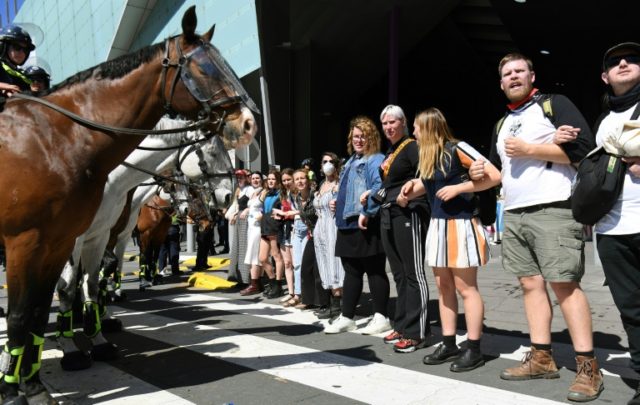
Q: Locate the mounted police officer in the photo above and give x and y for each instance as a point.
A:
(15, 47)
(40, 79)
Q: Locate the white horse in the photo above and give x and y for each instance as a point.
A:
(89, 247)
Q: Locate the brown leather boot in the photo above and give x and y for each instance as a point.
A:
(253, 288)
(536, 364)
(589, 383)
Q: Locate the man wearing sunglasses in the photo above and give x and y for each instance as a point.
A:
(618, 232)
(15, 47)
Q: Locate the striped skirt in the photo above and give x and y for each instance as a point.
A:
(457, 243)
(238, 270)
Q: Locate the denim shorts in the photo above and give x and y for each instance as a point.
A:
(543, 241)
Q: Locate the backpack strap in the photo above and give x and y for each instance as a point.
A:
(636, 112)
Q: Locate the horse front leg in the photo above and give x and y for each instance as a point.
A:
(25, 260)
(33, 388)
(73, 358)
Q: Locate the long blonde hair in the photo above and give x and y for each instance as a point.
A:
(433, 134)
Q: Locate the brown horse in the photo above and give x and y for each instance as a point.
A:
(53, 169)
(153, 225)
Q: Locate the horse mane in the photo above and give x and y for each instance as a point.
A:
(112, 69)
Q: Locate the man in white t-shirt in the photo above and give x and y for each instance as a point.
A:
(618, 233)
(542, 243)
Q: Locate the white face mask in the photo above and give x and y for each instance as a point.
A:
(328, 168)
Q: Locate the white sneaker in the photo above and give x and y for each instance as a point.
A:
(166, 272)
(341, 324)
(378, 324)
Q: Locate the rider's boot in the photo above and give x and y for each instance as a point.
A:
(102, 350)
(73, 358)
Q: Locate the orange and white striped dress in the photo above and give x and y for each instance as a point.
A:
(455, 238)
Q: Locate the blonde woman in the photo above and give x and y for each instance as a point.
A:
(456, 241)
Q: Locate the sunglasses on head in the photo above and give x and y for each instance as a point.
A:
(614, 61)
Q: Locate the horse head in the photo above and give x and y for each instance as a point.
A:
(211, 168)
(198, 83)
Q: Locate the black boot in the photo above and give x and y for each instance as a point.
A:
(267, 284)
(335, 309)
(276, 289)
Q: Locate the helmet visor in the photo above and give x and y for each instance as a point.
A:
(207, 74)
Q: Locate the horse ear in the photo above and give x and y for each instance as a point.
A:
(189, 23)
(207, 36)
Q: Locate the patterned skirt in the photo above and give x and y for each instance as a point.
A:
(457, 243)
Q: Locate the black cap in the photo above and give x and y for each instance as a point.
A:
(632, 46)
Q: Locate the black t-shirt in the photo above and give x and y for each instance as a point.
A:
(403, 168)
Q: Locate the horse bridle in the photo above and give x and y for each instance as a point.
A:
(209, 105)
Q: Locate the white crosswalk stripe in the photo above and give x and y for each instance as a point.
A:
(341, 375)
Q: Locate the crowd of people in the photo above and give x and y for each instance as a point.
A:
(308, 241)
(416, 206)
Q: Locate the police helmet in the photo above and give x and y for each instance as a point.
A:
(14, 33)
(307, 162)
(37, 73)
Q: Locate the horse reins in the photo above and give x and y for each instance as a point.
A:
(206, 112)
(108, 128)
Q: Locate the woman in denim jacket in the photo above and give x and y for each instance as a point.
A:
(358, 243)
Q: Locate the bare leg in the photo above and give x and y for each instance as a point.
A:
(577, 314)
(466, 282)
(537, 306)
(447, 300)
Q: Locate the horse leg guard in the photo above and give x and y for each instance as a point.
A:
(72, 358)
(144, 277)
(33, 388)
(10, 362)
(92, 327)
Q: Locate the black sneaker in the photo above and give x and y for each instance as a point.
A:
(442, 354)
(467, 361)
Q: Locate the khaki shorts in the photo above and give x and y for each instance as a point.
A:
(544, 241)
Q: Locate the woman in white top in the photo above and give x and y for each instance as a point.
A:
(253, 215)
(325, 234)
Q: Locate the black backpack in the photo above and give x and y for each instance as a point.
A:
(598, 183)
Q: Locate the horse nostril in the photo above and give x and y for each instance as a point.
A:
(248, 126)
(227, 200)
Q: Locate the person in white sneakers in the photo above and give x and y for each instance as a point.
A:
(358, 243)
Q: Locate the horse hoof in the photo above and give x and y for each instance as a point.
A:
(104, 352)
(36, 393)
(10, 396)
(111, 325)
(15, 400)
(76, 360)
(43, 398)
